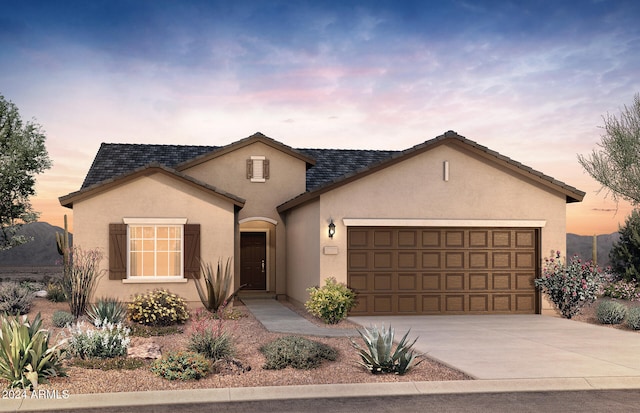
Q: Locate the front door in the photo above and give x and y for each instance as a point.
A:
(253, 260)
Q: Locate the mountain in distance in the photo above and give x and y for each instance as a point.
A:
(582, 246)
(41, 251)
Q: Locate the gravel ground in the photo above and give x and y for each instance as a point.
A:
(248, 335)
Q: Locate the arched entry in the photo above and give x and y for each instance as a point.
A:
(257, 253)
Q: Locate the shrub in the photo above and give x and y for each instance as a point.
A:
(109, 340)
(625, 253)
(32, 286)
(209, 339)
(15, 299)
(107, 310)
(570, 287)
(25, 356)
(633, 318)
(624, 290)
(158, 308)
(55, 292)
(181, 365)
(81, 279)
(332, 302)
(216, 291)
(62, 318)
(379, 357)
(297, 352)
(611, 312)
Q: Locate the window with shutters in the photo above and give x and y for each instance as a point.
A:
(258, 169)
(155, 248)
(143, 249)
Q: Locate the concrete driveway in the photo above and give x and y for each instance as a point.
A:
(520, 346)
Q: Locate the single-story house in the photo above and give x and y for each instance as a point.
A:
(445, 227)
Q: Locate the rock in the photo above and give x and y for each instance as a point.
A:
(41, 294)
(145, 350)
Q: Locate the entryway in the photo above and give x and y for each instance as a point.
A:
(253, 260)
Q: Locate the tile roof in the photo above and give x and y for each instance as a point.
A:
(114, 159)
(326, 168)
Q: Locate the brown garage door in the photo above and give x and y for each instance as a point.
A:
(443, 270)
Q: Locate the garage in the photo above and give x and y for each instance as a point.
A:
(439, 271)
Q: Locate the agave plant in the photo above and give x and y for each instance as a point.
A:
(379, 357)
(25, 356)
(107, 310)
(216, 291)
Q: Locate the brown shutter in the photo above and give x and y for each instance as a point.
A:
(249, 169)
(117, 251)
(192, 251)
(265, 168)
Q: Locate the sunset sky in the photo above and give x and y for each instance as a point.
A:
(528, 79)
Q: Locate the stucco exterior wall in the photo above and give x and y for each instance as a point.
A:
(303, 251)
(415, 188)
(154, 196)
(287, 179)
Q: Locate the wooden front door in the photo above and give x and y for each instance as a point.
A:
(253, 260)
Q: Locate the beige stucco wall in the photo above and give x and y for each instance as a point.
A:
(415, 188)
(303, 250)
(287, 179)
(154, 196)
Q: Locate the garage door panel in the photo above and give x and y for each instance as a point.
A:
(478, 281)
(431, 304)
(454, 260)
(431, 282)
(501, 281)
(478, 259)
(479, 303)
(382, 282)
(443, 270)
(454, 303)
(408, 282)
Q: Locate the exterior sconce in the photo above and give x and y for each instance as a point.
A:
(332, 229)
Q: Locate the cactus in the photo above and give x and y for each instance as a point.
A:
(64, 249)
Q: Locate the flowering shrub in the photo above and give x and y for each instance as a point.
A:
(158, 308)
(570, 286)
(624, 290)
(181, 365)
(109, 340)
(332, 302)
(209, 338)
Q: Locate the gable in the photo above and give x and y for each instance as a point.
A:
(570, 193)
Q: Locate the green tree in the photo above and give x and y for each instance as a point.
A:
(616, 164)
(625, 254)
(22, 156)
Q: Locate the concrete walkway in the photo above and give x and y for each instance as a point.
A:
(277, 318)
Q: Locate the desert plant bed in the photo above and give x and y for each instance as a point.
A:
(247, 370)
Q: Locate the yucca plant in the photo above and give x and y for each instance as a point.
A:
(107, 310)
(379, 357)
(216, 291)
(25, 356)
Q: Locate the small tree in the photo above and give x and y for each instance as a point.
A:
(616, 166)
(22, 156)
(625, 254)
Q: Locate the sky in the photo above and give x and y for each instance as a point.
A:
(531, 80)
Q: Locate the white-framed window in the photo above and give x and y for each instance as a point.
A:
(258, 169)
(155, 248)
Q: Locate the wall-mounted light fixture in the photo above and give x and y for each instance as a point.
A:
(445, 171)
(332, 229)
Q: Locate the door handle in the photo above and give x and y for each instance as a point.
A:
(262, 265)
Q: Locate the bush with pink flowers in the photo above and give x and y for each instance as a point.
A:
(572, 285)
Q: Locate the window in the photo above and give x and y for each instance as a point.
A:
(258, 169)
(154, 249)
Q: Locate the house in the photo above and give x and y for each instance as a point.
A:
(445, 227)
